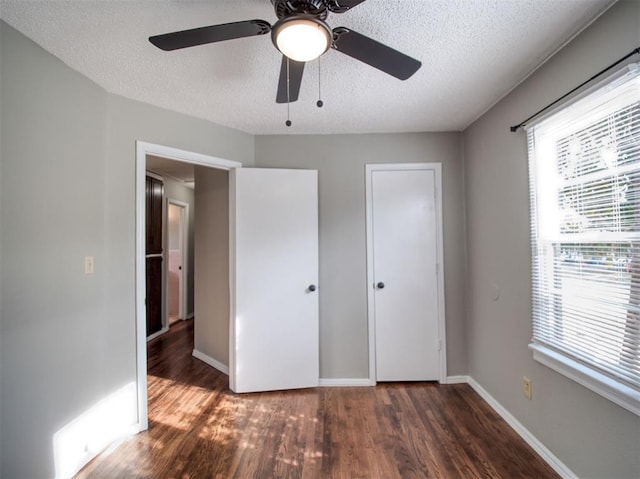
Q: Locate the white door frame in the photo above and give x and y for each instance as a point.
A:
(184, 256)
(437, 169)
(142, 150)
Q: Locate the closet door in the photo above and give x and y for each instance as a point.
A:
(405, 273)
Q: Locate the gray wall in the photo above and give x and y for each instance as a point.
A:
(211, 335)
(52, 216)
(1, 203)
(68, 190)
(340, 161)
(53, 316)
(592, 436)
(177, 191)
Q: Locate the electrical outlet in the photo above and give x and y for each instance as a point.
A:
(526, 387)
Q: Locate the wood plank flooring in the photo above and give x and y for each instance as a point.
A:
(199, 429)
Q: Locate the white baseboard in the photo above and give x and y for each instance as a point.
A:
(223, 368)
(190, 316)
(344, 382)
(524, 433)
(366, 382)
(457, 380)
(158, 333)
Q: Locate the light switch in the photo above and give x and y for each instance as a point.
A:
(88, 265)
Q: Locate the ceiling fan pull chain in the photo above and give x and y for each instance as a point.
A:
(320, 103)
(288, 122)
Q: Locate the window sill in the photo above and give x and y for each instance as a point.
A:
(622, 395)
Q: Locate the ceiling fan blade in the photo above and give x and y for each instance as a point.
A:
(374, 53)
(341, 6)
(295, 79)
(210, 34)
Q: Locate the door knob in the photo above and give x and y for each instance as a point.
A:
(380, 285)
(312, 287)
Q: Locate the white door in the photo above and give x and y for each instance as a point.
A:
(274, 272)
(176, 226)
(404, 287)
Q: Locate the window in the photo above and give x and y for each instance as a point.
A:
(584, 164)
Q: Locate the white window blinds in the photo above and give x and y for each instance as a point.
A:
(584, 164)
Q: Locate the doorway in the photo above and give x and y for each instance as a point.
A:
(177, 264)
(246, 211)
(144, 149)
(404, 272)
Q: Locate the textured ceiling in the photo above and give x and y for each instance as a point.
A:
(473, 52)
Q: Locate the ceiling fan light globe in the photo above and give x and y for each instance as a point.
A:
(302, 39)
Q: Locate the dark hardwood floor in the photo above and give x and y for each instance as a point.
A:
(198, 428)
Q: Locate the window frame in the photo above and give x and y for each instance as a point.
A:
(553, 357)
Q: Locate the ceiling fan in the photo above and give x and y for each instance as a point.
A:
(301, 35)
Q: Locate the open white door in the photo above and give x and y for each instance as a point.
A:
(274, 273)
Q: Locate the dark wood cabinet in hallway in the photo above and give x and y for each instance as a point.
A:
(154, 193)
(198, 428)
